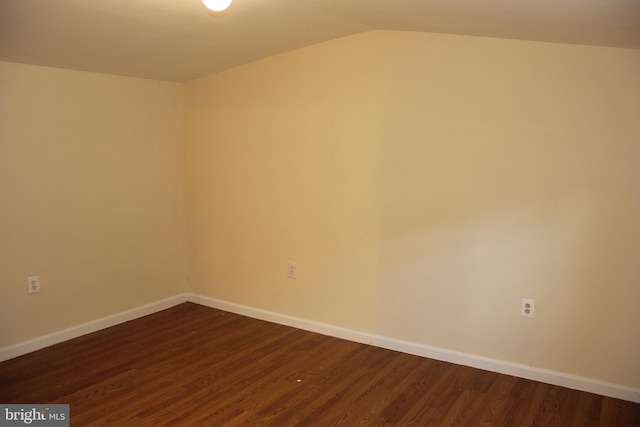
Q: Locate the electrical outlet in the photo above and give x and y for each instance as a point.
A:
(528, 307)
(292, 270)
(33, 284)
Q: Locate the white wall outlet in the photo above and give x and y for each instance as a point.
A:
(33, 284)
(292, 270)
(528, 307)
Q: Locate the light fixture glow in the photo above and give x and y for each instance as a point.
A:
(217, 5)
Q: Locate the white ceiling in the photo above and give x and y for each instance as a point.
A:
(179, 40)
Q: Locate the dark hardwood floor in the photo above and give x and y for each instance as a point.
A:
(196, 366)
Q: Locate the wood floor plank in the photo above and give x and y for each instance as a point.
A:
(195, 366)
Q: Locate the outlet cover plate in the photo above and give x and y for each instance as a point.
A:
(292, 270)
(33, 284)
(528, 307)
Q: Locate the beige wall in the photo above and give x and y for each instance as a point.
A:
(91, 196)
(425, 184)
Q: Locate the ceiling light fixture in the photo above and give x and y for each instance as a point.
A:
(217, 5)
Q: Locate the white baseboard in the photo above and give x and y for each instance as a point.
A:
(494, 365)
(523, 371)
(25, 347)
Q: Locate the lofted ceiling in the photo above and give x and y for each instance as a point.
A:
(180, 40)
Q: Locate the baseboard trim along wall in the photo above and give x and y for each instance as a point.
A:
(494, 365)
(25, 347)
(488, 364)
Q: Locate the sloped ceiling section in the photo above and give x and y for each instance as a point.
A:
(179, 40)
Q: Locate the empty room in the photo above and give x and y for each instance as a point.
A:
(320, 213)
